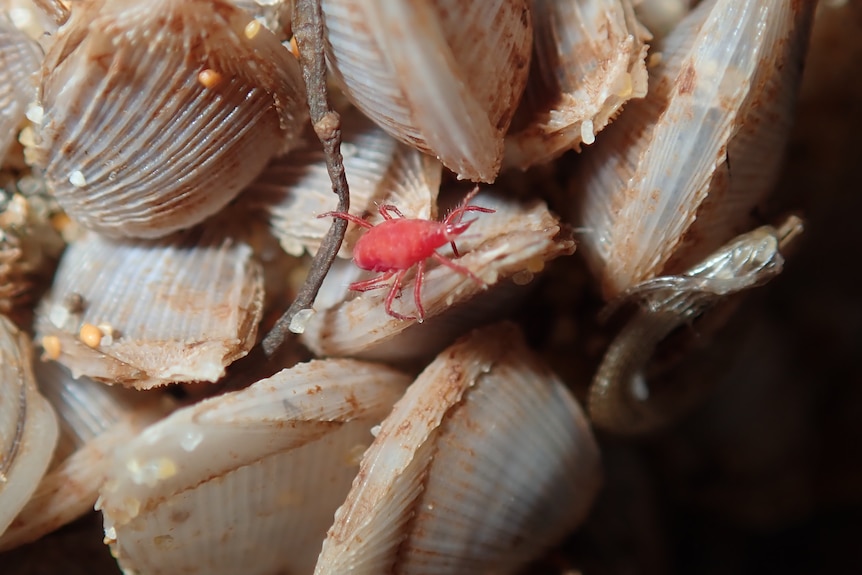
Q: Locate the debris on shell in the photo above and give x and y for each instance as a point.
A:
(156, 115)
(485, 423)
(681, 172)
(444, 76)
(178, 309)
(588, 61)
(247, 481)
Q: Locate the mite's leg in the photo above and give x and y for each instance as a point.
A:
(417, 290)
(373, 283)
(396, 289)
(349, 217)
(386, 208)
(458, 213)
(460, 269)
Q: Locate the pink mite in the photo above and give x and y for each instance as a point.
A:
(396, 244)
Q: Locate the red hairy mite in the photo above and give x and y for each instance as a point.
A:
(398, 243)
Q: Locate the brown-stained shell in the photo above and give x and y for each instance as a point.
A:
(146, 313)
(155, 115)
(444, 76)
(485, 462)
(246, 481)
(683, 170)
(588, 61)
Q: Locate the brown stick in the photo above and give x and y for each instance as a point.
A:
(308, 29)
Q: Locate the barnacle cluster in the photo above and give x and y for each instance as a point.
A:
(181, 152)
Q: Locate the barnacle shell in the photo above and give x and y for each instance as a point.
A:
(28, 425)
(441, 75)
(588, 60)
(29, 18)
(94, 420)
(515, 242)
(156, 114)
(274, 14)
(177, 309)
(246, 482)
(485, 461)
(293, 190)
(681, 171)
(19, 62)
(29, 248)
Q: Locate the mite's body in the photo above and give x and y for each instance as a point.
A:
(398, 243)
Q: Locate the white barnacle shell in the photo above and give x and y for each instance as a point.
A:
(441, 75)
(485, 462)
(157, 114)
(177, 309)
(94, 420)
(19, 61)
(588, 61)
(681, 171)
(28, 425)
(246, 482)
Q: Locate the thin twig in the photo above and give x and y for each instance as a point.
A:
(308, 29)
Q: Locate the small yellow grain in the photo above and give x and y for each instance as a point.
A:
(51, 345)
(251, 29)
(209, 78)
(60, 221)
(90, 335)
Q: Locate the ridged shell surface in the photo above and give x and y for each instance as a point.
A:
(157, 114)
(19, 61)
(441, 75)
(683, 169)
(94, 420)
(588, 61)
(246, 482)
(177, 309)
(485, 462)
